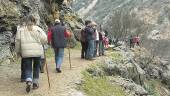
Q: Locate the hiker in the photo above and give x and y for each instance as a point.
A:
(45, 47)
(59, 36)
(29, 40)
(131, 42)
(96, 42)
(101, 42)
(106, 42)
(90, 40)
(84, 43)
(137, 40)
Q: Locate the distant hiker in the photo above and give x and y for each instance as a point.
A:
(84, 43)
(131, 40)
(49, 33)
(106, 42)
(101, 42)
(90, 39)
(137, 40)
(96, 42)
(29, 40)
(59, 36)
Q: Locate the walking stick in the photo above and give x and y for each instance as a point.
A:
(46, 65)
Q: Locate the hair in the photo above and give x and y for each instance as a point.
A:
(30, 21)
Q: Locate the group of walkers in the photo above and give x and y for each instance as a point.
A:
(31, 41)
(29, 44)
(93, 42)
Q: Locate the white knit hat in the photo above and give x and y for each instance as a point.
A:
(57, 20)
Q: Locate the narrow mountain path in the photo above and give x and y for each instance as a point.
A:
(62, 84)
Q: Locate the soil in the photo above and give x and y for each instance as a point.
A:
(62, 84)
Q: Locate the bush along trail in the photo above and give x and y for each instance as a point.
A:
(127, 72)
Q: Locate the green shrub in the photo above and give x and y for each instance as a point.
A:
(100, 86)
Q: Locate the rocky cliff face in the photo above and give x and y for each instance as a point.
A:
(11, 12)
(153, 13)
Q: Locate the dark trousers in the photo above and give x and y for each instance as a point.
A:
(28, 68)
(90, 49)
(84, 46)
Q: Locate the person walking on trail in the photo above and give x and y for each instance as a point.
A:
(29, 40)
(131, 42)
(59, 36)
(96, 42)
(101, 42)
(137, 40)
(84, 43)
(90, 39)
(45, 47)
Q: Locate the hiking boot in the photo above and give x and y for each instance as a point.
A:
(58, 70)
(28, 87)
(35, 86)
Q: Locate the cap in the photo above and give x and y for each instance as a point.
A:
(57, 20)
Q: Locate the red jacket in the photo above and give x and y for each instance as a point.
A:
(49, 35)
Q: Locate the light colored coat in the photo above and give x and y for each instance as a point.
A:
(29, 43)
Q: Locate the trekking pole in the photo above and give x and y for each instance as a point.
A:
(48, 77)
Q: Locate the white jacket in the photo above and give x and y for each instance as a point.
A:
(29, 43)
(97, 35)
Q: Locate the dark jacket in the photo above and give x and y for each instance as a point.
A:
(89, 33)
(83, 35)
(58, 36)
(100, 36)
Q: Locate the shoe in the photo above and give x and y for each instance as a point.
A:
(58, 70)
(35, 86)
(42, 70)
(28, 87)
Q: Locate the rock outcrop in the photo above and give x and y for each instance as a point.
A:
(44, 11)
(133, 69)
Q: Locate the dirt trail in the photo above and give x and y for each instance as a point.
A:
(62, 84)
